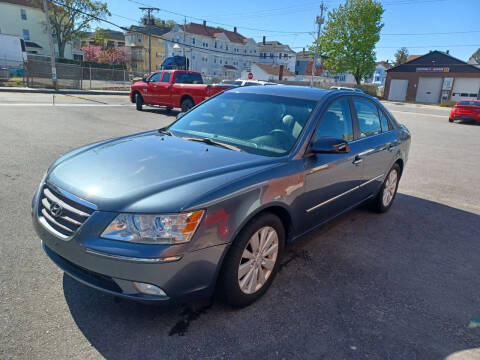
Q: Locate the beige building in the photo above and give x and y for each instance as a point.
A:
(136, 47)
(26, 19)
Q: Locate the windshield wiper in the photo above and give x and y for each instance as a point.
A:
(209, 141)
(165, 131)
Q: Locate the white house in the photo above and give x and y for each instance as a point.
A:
(212, 51)
(268, 73)
(380, 74)
(26, 19)
(276, 53)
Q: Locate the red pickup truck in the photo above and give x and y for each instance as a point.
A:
(174, 89)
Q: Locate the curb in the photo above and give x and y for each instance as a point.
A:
(63, 91)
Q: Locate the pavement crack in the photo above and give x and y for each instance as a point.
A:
(189, 315)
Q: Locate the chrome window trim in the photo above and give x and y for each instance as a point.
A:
(344, 193)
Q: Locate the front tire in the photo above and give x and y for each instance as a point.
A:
(384, 200)
(139, 101)
(450, 119)
(253, 261)
(187, 104)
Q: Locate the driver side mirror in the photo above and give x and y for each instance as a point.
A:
(328, 145)
(144, 78)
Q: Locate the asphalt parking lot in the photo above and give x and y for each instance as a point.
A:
(403, 285)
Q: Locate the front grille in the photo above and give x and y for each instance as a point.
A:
(61, 213)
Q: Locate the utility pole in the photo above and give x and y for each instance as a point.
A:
(52, 46)
(185, 41)
(319, 21)
(149, 24)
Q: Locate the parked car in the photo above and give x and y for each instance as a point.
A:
(465, 110)
(213, 199)
(173, 89)
(243, 82)
(345, 88)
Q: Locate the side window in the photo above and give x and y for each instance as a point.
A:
(367, 115)
(384, 121)
(336, 122)
(155, 77)
(166, 77)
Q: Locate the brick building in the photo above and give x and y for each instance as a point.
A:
(433, 78)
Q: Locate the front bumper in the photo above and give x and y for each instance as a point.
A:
(114, 266)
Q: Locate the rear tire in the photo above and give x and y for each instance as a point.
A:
(249, 269)
(384, 200)
(187, 104)
(139, 101)
(450, 119)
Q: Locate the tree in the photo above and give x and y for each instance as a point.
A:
(157, 22)
(71, 18)
(91, 52)
(349, 38)
(475, 58)
(114, 56)
(401, 56)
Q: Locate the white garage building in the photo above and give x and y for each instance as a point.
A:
(433, 78)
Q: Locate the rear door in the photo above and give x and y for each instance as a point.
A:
(377, 142)
(331, 180)
(163, 90)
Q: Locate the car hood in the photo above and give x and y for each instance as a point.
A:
(116, 174)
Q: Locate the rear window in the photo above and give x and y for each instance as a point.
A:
(186, 78)
(466, 102)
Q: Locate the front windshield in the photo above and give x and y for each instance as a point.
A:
(260, 124)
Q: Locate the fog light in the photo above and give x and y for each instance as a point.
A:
(149, 289)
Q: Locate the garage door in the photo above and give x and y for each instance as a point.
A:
(465, 89)
(398, 90)
(429, 90)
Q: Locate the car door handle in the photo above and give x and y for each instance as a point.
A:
(357, 160)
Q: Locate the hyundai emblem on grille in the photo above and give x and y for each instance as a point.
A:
(56, 209)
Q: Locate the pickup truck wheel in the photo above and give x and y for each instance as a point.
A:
(252, 261)
(187, 104)
(139, 101)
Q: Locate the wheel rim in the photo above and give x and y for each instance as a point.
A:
(258, 260)
(390, 187)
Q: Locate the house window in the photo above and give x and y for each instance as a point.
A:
(23, 14)
(193, 40)
(226, 47)
(139, 39)
(215, 44)
(26, 34)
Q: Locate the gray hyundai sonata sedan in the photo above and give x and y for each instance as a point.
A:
(211, 201)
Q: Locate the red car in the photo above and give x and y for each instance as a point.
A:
(466, 110)
(174, 89)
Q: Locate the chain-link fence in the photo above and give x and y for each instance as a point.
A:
(75, 76)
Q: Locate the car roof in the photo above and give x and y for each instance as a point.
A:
(300, 92)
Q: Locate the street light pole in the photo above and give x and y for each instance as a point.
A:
(52, 47)
(149, 26)
(319, 21)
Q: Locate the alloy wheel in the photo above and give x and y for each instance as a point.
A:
(390, 187)
(258, 260)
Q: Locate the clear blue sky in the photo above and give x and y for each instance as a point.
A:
(280, 16)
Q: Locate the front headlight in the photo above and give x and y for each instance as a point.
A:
(154, 229)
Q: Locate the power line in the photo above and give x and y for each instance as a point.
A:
(206, 50)
(220, 23)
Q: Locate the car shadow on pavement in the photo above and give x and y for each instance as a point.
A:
(402, 285)
(162, 111)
